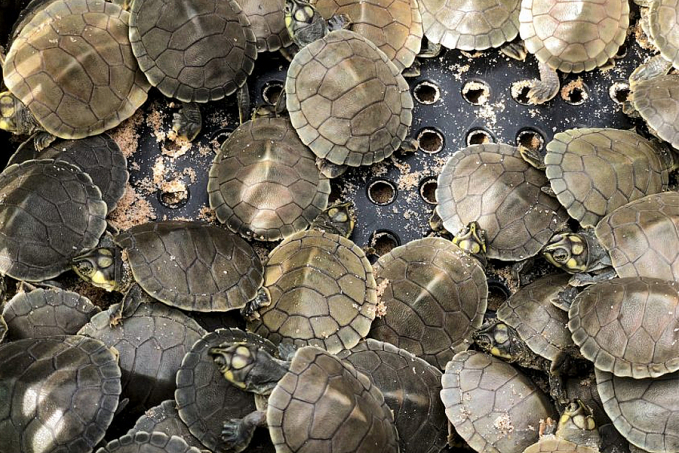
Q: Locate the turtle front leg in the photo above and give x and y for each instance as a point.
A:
(515, 50)
(188, 122)
(250, 310)
(584, 279)
(546, 88)
(654, 67)
(238, 432)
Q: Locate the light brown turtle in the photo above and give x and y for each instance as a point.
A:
(575, 432)
(267, 20)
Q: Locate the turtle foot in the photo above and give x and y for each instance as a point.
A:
(541, 92)
(515, 50)
(251, 309)
(339, 22)
(330, 170)
(188, 122)
(654, 67)
(42, 140)
(237, 433)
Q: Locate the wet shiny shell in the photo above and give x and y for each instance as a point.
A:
(663, 16)
(644, 411)
(323, 292)
(574, 37)
(192, 265)
(164, 418)
(152, 344)
(45, 313)
(144, 442)
(552, 444)
(492, 405)
(205, 399)
(470, 24)
(193, 51)
(642, 237)
(493, 185)
(435, 299)
(59, 394)
(74, 97)
(267, 20)
(50, 212)
(657, 101)
(538, 322)
(594, 171)
(410, 387)
(347, 101)
(628, 326)
(323, 402)
(394, 26)
(264, 183)
(99, 156)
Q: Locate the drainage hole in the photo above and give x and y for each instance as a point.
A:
(426, 92)
(498, 293)
(479, 137)
(622, 52)
(272, 91)
(575, 92)
(519, 91)
(173, 194)
(476, 92)
(431, 140)
(383, 242)
(220, 135)
(381, 192)
(428, 189)
(619, 92)
(530, 138)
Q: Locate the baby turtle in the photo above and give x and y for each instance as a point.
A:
(264, 183)
(316, 401)
(434, 300)
(87, 76)
(492, 405)
(51, 212)
(322, 288)
(164, 418)
(410, 387)
(44, 313)
(656, 100)
(570, 36)
(628, 326)
(59, 394)
(493, 185)
(659, 22)
(267, 20)
(189, 265)
(148, 442)
(575, 433)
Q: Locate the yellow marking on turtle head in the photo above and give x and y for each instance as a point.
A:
(238, 362)
(577, 249)
(99, 279)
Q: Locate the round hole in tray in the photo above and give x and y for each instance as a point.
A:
(428, 189)
(430, 140)
(381, 192)
(519, 91)
(575, 92)
(619, 91)
(174, 198)
(479, 136)
(383, 242)
(476, 92)
(498, 292)
(426, 92)
(272, 91)
(530, 138)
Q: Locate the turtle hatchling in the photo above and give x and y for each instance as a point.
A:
(575, 433)
(165, 418)
(145, 442)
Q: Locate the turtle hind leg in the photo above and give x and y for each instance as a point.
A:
(655, 67)
(238, 432)
(188, 122)
(546, 88)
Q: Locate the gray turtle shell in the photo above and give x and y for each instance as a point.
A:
(657, 101)
(267, 20)
(59, 394)
(164, 418)
(148, 442)
(663, 16)
(3, 328)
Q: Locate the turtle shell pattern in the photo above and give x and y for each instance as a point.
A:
(574, 36)
(164, 418)
(323, 292)
(435, 299)
(628, 326)
(493, 185)
(267, 20)
(394, 26)
(492, 405)
(657, 101)
(86, 79)
(663, 18)
(264, 183)
(192, 265)
(470, 24)
(193, 51)
(45, 313)
(594, 171)
(642, 237)
(3, 328)
(324, 404)
(411, 389)
(59, 394)
(538, 322)
(143, 442)
(347, 101)
(50, 212)
(644, 411)
(551, 444)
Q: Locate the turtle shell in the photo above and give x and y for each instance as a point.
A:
(164, 418)
(264, 183)
(3, 328)
(628, 326)
(642, 237)
(644, 411)
(99, 156)
(394, 26)
(50, 213)
(152, 344)
(87, 79)
(192, 265)
(45, 313)
(492, 405)
(411, 389)
(322, 290)
(538, 322)
(145, 442)
(594, 171)
(204, 398)
(59, 394)
(435, 299)
(492, 185)
(551, 444)
(574, 39)
(470, 24)
(657, 101)
(663, 16)
(347, 101)
(322, 402)
(267, 20)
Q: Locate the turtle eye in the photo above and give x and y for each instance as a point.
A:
(85, 268)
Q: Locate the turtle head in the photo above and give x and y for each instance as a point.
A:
(304, 23)
(15, 117)
(568, 251)
(337, 219)
(472, 239)
(577, 425)
(248, 367)
(103, 267)
(501, 341)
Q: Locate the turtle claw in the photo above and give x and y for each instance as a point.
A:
(541, 92)
(250, 310)
(188, 122)
(42, 140)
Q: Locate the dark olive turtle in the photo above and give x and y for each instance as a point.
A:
(99, 156)
(411, 389)
(434, 300)
(264, 183)
(59, 394)
(44, 313)
(267, 20)
(151, 342)
(575, 433)
(583, 388)
(656, 100)
(316, 402)
(3, 328)
(164, 418)
(189, 265)
(492, 405)
(50, 212)
(148, 442)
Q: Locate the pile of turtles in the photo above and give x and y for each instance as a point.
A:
(197, 341)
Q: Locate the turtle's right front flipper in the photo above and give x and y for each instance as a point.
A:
(238, 432)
